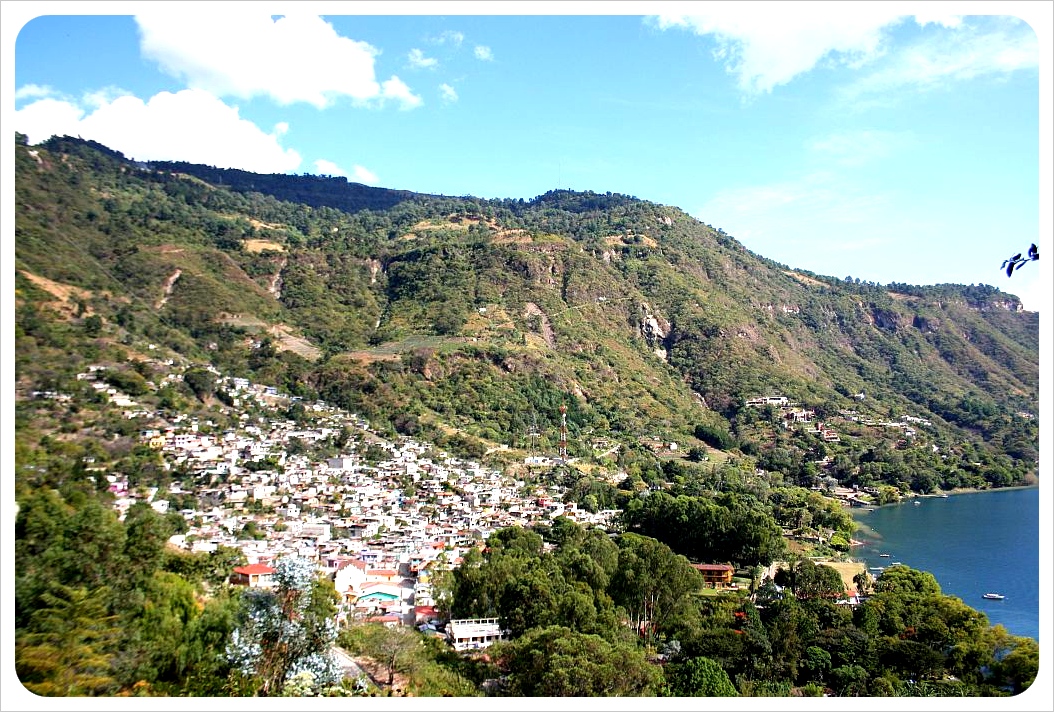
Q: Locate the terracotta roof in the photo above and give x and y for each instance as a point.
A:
(253, 569)
(713, 567)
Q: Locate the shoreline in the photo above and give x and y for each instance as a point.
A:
(940, 495)
(933, 560)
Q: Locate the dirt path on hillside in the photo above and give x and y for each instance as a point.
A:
(275, 287)
(169, 284)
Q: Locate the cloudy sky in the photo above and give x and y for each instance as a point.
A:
(887, 141)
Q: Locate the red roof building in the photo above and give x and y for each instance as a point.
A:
(253, 576)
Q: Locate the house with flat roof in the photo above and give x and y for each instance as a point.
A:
(474, 633)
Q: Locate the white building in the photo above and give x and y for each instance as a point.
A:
(474, 633)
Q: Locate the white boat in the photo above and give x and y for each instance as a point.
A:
(885, 556)
(994, 596)
(917, 503)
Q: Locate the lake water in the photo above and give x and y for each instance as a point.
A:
(973, 543)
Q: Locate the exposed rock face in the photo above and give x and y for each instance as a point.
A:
(885, 319)
(544, 327)
(926, 325)
(375, 268)
(653, 329)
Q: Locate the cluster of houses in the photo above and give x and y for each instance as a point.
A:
(794, 414)
(383, 519)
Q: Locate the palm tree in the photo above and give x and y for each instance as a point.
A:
(863, 582)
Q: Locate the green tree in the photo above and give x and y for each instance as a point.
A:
(904, 579)
(398, 650)
(154, 625)
(816, 663)
(146, 534)
(558, 662)
(203, 664)
(92, 549)
(1018, 668)
(93, 325)
(698, 677)
(810, 580)
(201, 381)
(849, 680)
(652, 583)
(67, 650)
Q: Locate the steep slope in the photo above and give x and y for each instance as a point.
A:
(483, 317)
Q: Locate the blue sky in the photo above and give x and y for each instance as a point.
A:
(887, 141)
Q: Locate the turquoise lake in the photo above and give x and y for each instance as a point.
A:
(973, 543)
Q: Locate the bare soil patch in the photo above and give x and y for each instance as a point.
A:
(847, 570)
(803, 279)
(262, 246)
(62, 292)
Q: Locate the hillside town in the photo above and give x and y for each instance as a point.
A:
(380, 519)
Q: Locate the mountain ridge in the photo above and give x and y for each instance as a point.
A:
(476, 313)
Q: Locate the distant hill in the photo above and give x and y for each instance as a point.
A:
(473, 321)
(316, 191)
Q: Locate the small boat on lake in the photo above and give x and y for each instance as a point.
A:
(884, 556)
(994, 596)
(917, 503)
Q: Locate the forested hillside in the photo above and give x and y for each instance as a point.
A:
(485, 316)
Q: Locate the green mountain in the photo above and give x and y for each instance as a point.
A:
(471, 322)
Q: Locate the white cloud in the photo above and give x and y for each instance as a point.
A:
(452, 36)
(45, 118)
(966, 54)
(363, 175)
(359, 174)
(418, 60)
(329, 168)
(234, 52)
(101, 97)
(33, 91)
(766, 49)
(938, 18)
(190, 125)
(483, 52)
(447, 93)
(395, 89)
